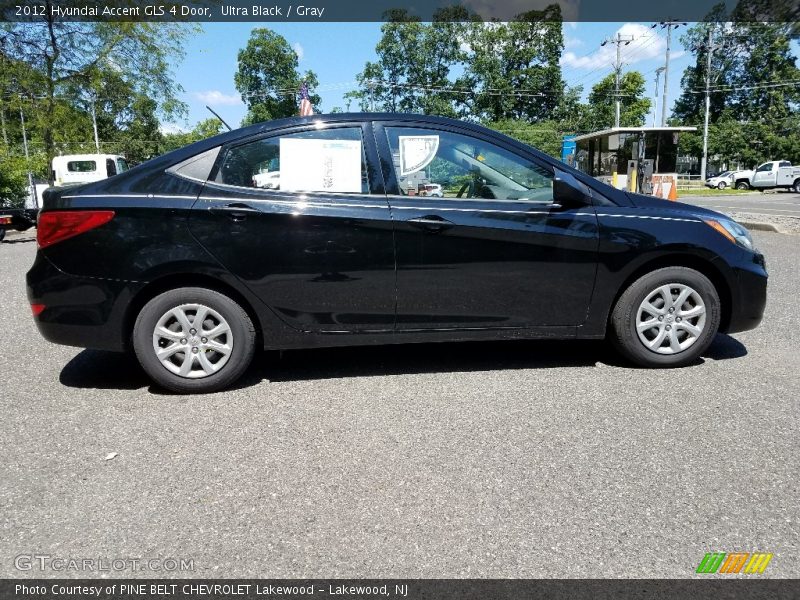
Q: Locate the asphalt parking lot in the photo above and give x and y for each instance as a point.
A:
(515, 459)
(776, 203)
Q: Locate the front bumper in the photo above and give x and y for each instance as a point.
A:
(79, 311)
(749, 296)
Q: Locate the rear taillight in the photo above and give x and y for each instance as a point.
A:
(37, 309)
(59, 225)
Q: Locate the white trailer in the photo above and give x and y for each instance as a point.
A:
(73, 169)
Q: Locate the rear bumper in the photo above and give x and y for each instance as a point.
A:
(79, 311)
(750, 297)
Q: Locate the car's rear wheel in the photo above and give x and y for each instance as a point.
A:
(193, 340)
(742, 185)
(2, 234)
(796, 186)
(666, 318)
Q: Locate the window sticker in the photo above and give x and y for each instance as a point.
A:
(417, 152)
(309, 165)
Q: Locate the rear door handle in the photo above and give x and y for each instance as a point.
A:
(432, 223)
(237, 211)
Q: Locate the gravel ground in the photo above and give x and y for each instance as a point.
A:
(789, 225)
(455, 460)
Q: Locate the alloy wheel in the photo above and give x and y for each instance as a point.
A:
(192, 341)
(671, 318)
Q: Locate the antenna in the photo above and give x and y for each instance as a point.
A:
(220, 118)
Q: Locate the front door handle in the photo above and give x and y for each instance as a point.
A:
(432, 223)
(237, 211)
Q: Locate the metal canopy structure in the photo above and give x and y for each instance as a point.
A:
(628, 157)
(618, 130)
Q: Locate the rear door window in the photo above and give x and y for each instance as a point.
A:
(331, 160)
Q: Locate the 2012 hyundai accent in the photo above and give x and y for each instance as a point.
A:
(311, 231)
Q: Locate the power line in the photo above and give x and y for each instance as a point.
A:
(735, 88)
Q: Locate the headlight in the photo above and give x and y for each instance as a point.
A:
(733, 231)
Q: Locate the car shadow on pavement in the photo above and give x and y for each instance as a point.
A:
(452, 357)
(95, 369)
(18, 240)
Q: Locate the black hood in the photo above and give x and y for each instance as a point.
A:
(651, 202)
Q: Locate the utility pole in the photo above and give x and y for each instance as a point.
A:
(709, 52)
(659, 71)
(3, 123)
(372, 96)
(94, 124)
(619, 40)
(668, 25)
(27, 158)
(710, 47)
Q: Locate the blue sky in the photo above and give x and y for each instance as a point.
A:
(336, 52)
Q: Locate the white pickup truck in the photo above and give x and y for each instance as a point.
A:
(776, 174)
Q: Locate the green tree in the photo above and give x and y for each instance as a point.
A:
(689, 108)
(754, 98)
(514, 67)
(62, 57)
(543, 135)
(203, 129)
(412, 73)
(268, 78)
(634, 107)
(13, 180)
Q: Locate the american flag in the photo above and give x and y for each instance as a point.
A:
(305, 102)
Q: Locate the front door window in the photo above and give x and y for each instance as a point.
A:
(451, 165)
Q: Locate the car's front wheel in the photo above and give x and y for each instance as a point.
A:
(666, 318)
(193, 340)
(722, 185)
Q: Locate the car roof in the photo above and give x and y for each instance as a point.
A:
(278, 124)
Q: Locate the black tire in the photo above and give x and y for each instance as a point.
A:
(742, 185)
(796, 186)
(236, 363)
(722, 185)
(2, 234)
(623, 333)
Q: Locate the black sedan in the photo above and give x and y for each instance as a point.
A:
(320, 231)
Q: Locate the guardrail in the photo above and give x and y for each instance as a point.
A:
(690, 182)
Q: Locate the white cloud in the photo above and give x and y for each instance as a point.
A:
(647, 44)
(572, 42)
(298, 49)
(217, 97)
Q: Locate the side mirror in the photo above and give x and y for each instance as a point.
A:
(569, 192)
